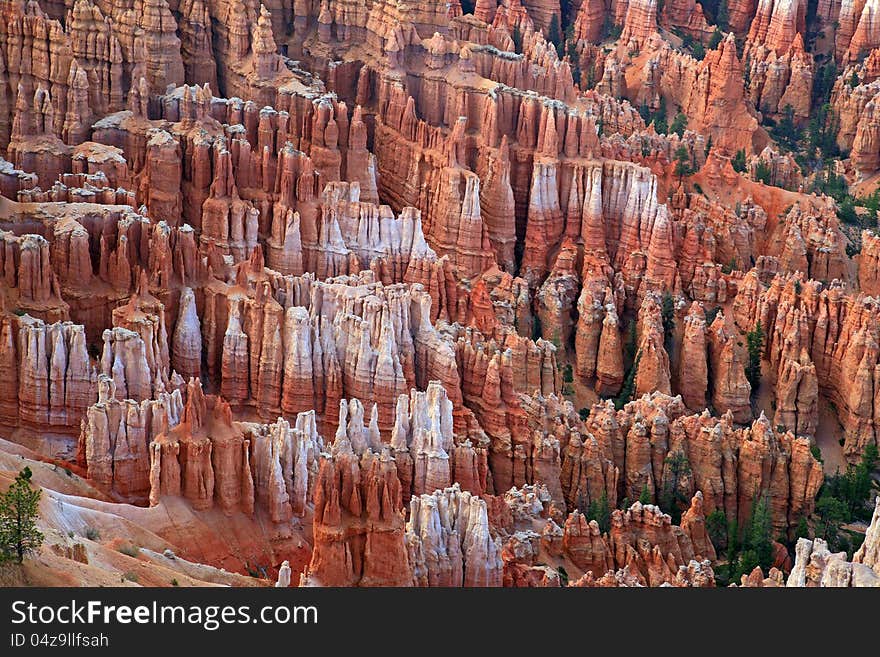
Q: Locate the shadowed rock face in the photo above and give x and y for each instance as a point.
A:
(404, 295)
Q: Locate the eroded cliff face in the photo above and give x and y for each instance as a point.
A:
(408, 293)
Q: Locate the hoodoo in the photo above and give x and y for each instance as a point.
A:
(508, 293)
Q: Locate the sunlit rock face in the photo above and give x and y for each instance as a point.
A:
(429, 294)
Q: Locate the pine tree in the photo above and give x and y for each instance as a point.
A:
(554, 34)
(628, 384)
(763, 173)
(682, 162)
(630, 346)
(716, 527)
(759, 537)
(757, 541)
(600, 511)
(672, 498)
(565, 7)
(755, 344)
(516, 37)
(667, 311)
(786, 132)
(661, 127)
(645, 495)
(572, 52)
(18, 509)
(722, 18)
(861, 482)
(679, 123)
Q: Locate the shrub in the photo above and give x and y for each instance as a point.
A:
(130, 550)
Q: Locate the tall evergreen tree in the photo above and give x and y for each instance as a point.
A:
(722, 18)
(755, 345)
(516, 37)
(554, 34)
(760, 533)
(672, 498)
(626, 391)
(19, 535)
(679, 123)
(682, 162)
(667, 310)
(600, 511)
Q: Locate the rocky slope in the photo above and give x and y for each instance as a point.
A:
(404, 294)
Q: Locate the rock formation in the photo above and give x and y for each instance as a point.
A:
(402, 293)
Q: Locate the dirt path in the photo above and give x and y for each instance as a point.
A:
(828, 433)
